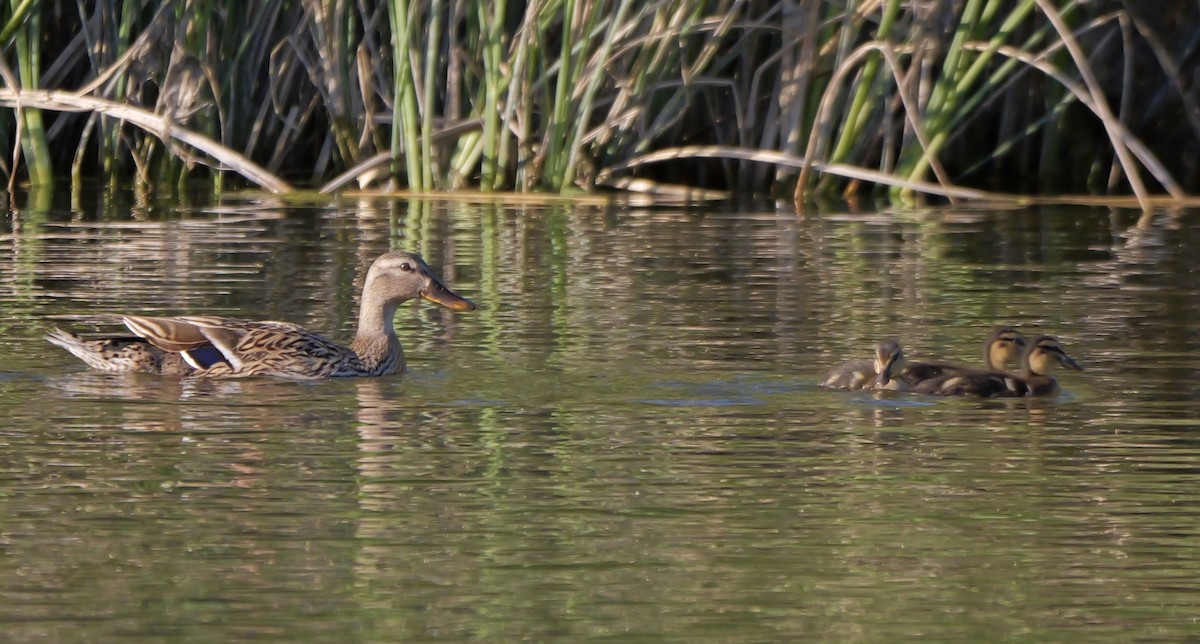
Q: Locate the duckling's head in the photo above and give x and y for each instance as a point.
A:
(1004, 345)
(1046, 354)
(398, 276)
(889, 359)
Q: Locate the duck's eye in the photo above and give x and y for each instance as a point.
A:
(406, 267)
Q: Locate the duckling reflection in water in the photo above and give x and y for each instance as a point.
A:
(869, 374)
(1044, 355)
(1002, 346)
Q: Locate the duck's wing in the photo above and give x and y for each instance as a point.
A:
(203, 341)
(225, 347)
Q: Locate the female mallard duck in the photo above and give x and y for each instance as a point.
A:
(1002, 346)
(1043, 356)
(867, 374)
(223, 347)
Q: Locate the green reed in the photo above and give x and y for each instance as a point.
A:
(807, 97)
(25, 27)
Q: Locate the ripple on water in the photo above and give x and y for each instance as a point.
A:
(627, 437)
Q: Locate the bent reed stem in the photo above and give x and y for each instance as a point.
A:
(567, 93)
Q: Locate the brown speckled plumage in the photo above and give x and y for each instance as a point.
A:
(129, 355)
(227, 348)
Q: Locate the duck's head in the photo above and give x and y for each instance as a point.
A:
(1046, 354)
(1003, 346)
(398, 276)
(889, 359)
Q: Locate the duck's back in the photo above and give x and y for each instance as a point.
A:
(915, 373)
(286, 350)
(857, 374)
(986, 384)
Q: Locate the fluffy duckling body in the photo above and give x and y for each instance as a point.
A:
(1002, 346)
(1044, 355)
(879, 373)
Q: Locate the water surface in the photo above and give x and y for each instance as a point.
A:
(626, 440)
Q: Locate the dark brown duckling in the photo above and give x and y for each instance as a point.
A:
(1043, 356)
(869, 374)
(1002, 346)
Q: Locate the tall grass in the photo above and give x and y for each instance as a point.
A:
(803, 98)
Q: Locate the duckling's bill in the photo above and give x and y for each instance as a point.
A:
(1069, 363)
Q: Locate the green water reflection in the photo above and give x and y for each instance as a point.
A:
(626, 440)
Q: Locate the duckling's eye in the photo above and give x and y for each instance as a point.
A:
(406, 267)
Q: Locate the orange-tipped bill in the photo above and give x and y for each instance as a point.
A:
(437, 293)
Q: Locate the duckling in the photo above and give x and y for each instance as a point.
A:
(1043, 356)
(866, 374)
(1002, 346)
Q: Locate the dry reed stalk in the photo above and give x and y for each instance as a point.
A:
(148, 121)
(562, 86)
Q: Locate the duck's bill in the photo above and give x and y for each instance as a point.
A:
(1070, 363)
(437, 293)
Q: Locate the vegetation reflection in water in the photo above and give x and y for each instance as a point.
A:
(627, 438)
